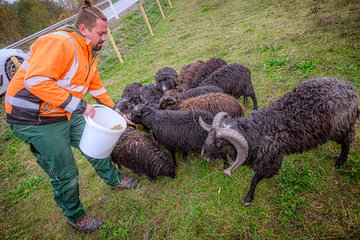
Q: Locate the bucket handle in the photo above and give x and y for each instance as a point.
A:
(98, 106)
(89, 120)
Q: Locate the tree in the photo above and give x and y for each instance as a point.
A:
(9, 25)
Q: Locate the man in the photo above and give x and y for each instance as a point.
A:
(44, 106)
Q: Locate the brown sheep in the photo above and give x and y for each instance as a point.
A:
(187, 75)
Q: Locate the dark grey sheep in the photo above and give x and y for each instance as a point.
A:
(151, 94)
(130, 98)
(207, 69)
(166, 78)
(187, 75)
(316, 111)
(132, 90)
(136, 150)
(234, 79)
(211, 102)
(174, 129)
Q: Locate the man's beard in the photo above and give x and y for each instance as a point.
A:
(97, 47)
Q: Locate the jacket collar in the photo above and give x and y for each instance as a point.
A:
(84, 42)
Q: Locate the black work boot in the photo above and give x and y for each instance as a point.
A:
(126, 183)
(87, 224)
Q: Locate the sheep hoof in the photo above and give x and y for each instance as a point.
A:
(246, 203)
(340, 162)
(228, 172)
(152, 178)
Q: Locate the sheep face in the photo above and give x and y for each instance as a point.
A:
(140, 111)
(166, 78)
(213, 147)
(167, 170)
(125, 106)
(167, 102)
(136, 114)
(216, 145)
(165, 84)
(175, 93)
(216, 148)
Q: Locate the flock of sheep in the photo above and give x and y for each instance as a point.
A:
(198, 111)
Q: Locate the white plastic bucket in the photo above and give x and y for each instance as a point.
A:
(99, 139)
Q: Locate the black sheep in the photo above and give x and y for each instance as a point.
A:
(174, 129)
(316, 111)
(234, 79)
(130, 98)
(136, 150)
(151, 94)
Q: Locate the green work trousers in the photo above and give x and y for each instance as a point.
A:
(51, 144)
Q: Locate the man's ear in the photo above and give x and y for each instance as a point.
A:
(82, 28)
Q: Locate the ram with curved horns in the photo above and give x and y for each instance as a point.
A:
(316, 111)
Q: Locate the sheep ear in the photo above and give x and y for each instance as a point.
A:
(204, 125)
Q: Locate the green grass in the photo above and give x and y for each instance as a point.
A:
(284, 43)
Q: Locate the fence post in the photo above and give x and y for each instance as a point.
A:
(114, 45)
(146, 19)
(162, 13)
(170, 3)
(16, 62)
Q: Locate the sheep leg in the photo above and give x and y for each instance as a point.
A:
(345, 150)
(254, 102)
(266, 172)
(245, 101)
(254, 182)
(173, 155)
(184, 155)
(151, 177)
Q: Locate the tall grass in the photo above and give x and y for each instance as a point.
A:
(283, 43)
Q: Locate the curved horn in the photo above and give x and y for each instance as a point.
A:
(240, 144)
(204, 125)
(219, 119)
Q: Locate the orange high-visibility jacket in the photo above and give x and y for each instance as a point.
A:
(51, 84)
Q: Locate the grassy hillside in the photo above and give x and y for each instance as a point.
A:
(283, 43)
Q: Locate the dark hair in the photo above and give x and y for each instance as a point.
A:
(88, 15)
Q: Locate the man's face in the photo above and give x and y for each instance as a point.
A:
(97, 35)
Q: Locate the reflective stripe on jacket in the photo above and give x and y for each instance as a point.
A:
(51, 84)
